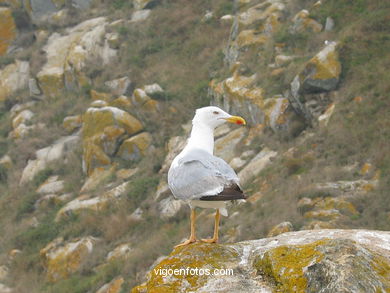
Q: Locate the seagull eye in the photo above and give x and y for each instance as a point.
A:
(216, 112)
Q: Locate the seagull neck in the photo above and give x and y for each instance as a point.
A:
(202, 137)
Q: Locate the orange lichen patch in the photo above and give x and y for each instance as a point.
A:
(326, 63)
(135, 146)
(286, 265)
(358, 99)
(7, 29)
(114, 286)
(381, 266)
(95, 95)
(366, 168)
(277, 71)
(121, 102)
(197, 256)
(151, 106)
(251, 37)
(63, 259)
(51, 83)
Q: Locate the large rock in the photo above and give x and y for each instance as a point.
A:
(56, 151)
(95, 203)
(103, 130)
(13, 77)
(7, 29)
(63, 259)
(114, 286)
(320, 75)
(305, 261)
(225, 146)
(303, 22)
(135, 147)
(256, 165)
(67, 55)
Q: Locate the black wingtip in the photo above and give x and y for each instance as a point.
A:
(233, 192)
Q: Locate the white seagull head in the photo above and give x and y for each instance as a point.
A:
(214, 117)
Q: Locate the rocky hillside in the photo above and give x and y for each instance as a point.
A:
(96, 99)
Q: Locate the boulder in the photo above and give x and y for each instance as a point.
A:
(169, 207)
(67, 55)
(61, 259)
(23, 117)
(256, 165)
(95, 203)
(34, 87)
(7, 30)
(97, 177)
(225, 146)
(142, 4)
(51, 185)
(120, 86)
(321, 74)
(13, 77)
(135, 147)
(56, 151)
(280, 228)
(302, 23)
(71, 123)
(115, 286)
(304, 261)
(103, 130)
(121, 252)
(140, 15)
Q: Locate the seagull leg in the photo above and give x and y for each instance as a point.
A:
(192, 236)
(216, 228)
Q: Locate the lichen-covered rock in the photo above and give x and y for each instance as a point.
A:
(225, 146)
(7, 29)
(304, 261)
(51, 185)
(140, 15)
(92, 203)
(321, 74)
(135, 147)
(100, 96)
(67, 55)
(280, 228)
(23, 117)
(103, 129)
(58, 150)
(122, 252)
(114, 286)
(98, 176)
(302, 22)
(71, 123)
(63, 259)
(120, 86)
(13, 77)
(256, 165)
(169, 207)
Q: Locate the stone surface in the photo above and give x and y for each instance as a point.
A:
(225, 147)
(97, 177)
(140, 15)
(71, 123)
(94, 203)
(120, 86)
(23, 117)
(103, 130)
(280, 228)
(135, 147)
(169, 207)
(56, 151)
(51, 185)
(302, 22)
(13, 77)
(67, 55)
(61, 259)
(304, 261)
(114, 286)
(7, 29)
(256, 165)
(121, 252)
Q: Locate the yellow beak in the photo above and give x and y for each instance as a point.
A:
(236, 120)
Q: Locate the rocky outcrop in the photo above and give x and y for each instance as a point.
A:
(103, 131)
(321, 74)
(305, 261)
(67, 55)
(61, 259)
(7, 29)
(13, 77)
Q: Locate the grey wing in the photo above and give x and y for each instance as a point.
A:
(198, 174)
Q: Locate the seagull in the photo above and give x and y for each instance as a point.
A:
(198, 177)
